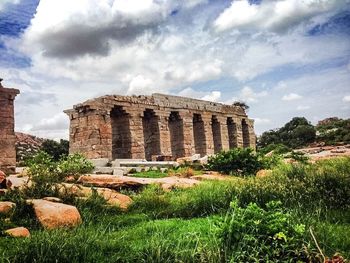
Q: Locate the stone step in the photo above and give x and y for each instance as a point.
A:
(116, 162)
(159, 164)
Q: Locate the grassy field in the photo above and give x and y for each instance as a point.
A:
(242, 220)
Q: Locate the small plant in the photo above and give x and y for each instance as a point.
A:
(75, 165)
(299, 157)
(235, 161)
(254, 234)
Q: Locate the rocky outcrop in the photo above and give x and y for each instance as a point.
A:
(27, 145)
(53, 215)
(18, 232)
(117, 182)
(112, 197)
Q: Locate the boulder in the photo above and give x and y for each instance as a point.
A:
(112, 197)
(53, 199)
(5, 183)
(263, 173)
(114, 182)
(53, 215)
(18, 232)
(3, 192)
(6, 207)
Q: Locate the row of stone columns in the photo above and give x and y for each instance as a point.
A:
(176, 134)
(138, 133)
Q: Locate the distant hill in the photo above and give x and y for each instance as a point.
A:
(27, 145)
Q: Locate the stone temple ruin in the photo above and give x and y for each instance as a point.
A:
(7, 133)
(157, 127)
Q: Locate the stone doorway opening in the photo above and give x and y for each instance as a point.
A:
(121, 136)
(199, 135)
(232, 133)
(215, 126)
(151, 134)
(176, 130)
(245, 133)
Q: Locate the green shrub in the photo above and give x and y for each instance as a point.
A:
(236, 161)
(254, 234)
(75, 165)
(56, 150)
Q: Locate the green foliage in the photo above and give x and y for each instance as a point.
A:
(254, 234)
(333, 131)
(75, 165)
(298, 156)
(278, 148)
(45, 173)
(235, 161)
(56, 149)
(296, 133)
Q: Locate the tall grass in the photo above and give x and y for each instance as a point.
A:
(184, 225)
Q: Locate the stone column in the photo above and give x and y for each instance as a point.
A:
(252, 136)
(136, 135)
(206, 117)
(187, 118)
(224, 133)
(238, 123)
(164, 133)
(7, 133)
(90, 133)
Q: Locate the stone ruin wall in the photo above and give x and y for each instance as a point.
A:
(141, 127)
(7, 133)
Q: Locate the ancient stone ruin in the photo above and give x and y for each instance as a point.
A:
(7, 133)
(156, 127)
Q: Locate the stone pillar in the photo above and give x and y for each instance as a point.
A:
(187, 118)
(252, 136)
(224, 133)
(206, 117)
(164, 133)
(7, 132)
(136, 135)
(90, 133)
(238, 123)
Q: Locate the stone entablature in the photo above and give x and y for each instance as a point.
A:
(145, 126)
(7, 133)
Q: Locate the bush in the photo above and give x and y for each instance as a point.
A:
(75, 164)
(45, 173)
(235, 161)
(56, 150)
(254, 234)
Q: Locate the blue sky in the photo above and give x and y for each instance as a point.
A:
(284, 58)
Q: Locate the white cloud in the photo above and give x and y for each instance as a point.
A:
(3, 3)
(140, 84)
(213, 96)
(248, 95)
(261, 120)
(303, 107)
(277, 15)
(291, 96)
(346, 98)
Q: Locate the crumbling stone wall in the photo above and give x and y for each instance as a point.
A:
(7, 133)
(145, 126)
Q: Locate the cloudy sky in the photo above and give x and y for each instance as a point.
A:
(284, 58)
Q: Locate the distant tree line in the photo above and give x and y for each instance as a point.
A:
(299, 132)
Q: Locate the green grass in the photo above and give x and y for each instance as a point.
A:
(184, 225)
(150, 174)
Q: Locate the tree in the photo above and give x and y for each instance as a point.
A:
(56, 149)
(296, 133)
